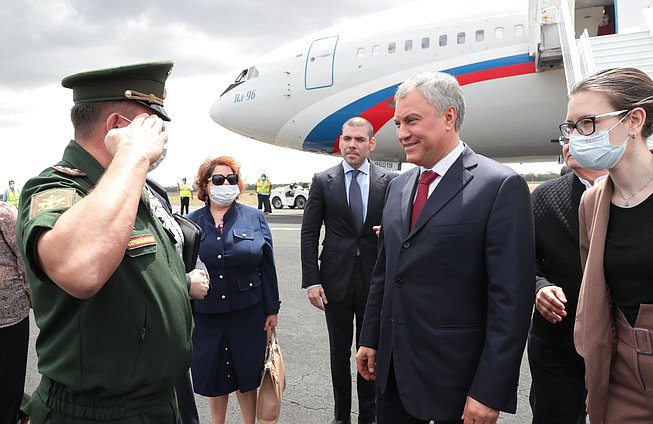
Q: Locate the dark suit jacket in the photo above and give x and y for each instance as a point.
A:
(450, 300)
(327, 202)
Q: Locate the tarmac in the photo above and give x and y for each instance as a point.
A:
(302, 332)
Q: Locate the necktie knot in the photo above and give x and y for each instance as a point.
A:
(427, 177)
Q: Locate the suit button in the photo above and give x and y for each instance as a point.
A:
(399, 283)
(406, 245)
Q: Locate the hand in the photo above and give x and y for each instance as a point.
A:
(199, 284)
(145, 136)
(317, 297)
(477, 413)
(377, 229)
(550, 303)
(366, 363)
(270, 321)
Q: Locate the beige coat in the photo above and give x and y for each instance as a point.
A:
(595, 334)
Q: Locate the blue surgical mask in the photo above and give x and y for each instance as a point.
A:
(595, 151)
(224, 195)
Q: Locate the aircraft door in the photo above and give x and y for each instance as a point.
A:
(319, 63)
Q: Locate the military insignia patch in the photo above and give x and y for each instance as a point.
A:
(140, 241)
(69, 171)
(55, 198)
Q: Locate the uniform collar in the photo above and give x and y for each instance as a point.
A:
(78, 158)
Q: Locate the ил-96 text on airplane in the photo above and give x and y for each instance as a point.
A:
(515, 59)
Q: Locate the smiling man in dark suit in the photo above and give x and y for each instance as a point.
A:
(348, 199)
(452, 291)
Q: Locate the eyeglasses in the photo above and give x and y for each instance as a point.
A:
(584, 126)
(218, 179)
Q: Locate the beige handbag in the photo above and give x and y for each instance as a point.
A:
(273, 382)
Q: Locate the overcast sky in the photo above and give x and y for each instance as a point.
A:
(210, 41)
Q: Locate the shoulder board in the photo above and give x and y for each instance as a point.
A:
(69, 171)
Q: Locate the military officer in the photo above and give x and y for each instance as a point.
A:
(108, 287)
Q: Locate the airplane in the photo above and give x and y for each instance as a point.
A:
(299, 95)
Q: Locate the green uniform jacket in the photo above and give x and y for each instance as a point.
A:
(117, 354)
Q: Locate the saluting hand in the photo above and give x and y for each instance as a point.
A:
(550, 303)
(145, 136)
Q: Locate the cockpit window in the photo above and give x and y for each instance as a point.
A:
(252, 73)
(241, 76)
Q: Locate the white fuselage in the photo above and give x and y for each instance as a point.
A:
(299, 96)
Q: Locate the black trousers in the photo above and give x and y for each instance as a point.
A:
(186, 400)
(264, 202)
(558, 382)
(340, 323)
(13, 363)
(185, 202)
(390, 410)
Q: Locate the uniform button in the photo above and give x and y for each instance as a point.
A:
(228, 375)
(251, 284)
(219, 256)
(406, 245)
(227, 362)
(219, 238)
(392, 320)
(224, 297)
(226, 348)
(221, 276)
(399, 283)
(244, 234)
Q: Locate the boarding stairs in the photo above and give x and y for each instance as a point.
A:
(633, 50)
(555, 43)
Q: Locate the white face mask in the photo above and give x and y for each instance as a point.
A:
(157, 162)
(595, 151)
(224, 195)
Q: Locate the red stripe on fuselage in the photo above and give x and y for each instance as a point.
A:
(381, 113)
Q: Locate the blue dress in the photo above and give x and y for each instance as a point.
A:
(228, 340)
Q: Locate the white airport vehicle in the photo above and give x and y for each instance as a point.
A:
(292, 196)
(515, 60)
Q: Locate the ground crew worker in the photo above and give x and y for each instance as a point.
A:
(185, 194)
(12, 195)
(263, 187)
(108, 287)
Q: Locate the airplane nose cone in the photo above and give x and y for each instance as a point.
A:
(220, 112)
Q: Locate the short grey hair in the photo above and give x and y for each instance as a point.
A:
(441, 90)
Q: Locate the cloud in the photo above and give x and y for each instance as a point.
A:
(44, 41)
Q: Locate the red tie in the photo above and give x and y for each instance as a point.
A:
(425, 180)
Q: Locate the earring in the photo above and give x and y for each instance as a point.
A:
(633, 135)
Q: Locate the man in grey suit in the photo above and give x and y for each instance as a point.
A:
(452, 291)
(348, 199)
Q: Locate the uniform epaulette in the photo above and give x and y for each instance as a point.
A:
(69, 171)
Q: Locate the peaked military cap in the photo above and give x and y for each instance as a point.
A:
(143, 82)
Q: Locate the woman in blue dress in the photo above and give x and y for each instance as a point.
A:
(231, 321)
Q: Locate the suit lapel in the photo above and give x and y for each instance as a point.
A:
(336, 184)
(376, 192)
(407, 194)
(453, 181)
